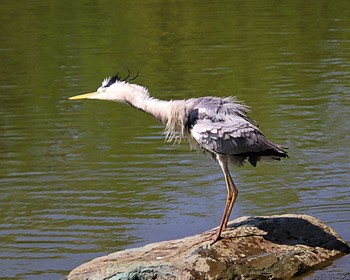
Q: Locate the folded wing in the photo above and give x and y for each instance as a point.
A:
(231, 134)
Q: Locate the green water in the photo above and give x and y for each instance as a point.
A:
(86, 178)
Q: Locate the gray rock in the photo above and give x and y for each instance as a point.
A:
(274, 247)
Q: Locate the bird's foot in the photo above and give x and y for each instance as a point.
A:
(213, 237)
(216, 239)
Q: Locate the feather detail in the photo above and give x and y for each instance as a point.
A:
(175, 127)
(110, 81)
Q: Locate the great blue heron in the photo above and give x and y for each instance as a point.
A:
(218, 126)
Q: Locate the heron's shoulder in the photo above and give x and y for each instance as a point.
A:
(209, 102)
(224, 105)
(216, 109)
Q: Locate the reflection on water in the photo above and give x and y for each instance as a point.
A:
(83, 179)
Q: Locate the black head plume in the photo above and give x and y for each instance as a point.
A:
(111, 80)
(137, 74)
(128, 79)
(127, 76)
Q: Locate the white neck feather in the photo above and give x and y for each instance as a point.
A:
(169, 113)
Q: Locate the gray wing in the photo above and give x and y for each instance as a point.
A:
(221, 126)
(233, 137)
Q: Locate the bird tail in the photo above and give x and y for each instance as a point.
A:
(274, 152)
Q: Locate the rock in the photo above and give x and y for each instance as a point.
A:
(274, 247)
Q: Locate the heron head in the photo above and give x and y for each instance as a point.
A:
(112, 88)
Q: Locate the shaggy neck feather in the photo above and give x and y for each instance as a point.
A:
(169, 113)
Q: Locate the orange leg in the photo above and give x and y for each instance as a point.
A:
(226, 210)
(233, 199)
(232, 193)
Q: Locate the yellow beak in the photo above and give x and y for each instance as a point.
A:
(84, 96)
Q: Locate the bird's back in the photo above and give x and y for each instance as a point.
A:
(222, 126)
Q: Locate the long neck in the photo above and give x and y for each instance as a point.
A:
(141, 100)
(169, 113)
(160, 109)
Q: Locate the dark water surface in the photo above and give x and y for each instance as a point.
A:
(86, 178)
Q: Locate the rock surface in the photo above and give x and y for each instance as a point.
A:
(273, 247)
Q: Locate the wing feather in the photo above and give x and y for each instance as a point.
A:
(221, 126)
(234, 137)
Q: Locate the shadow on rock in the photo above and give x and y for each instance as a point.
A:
(296, 231)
